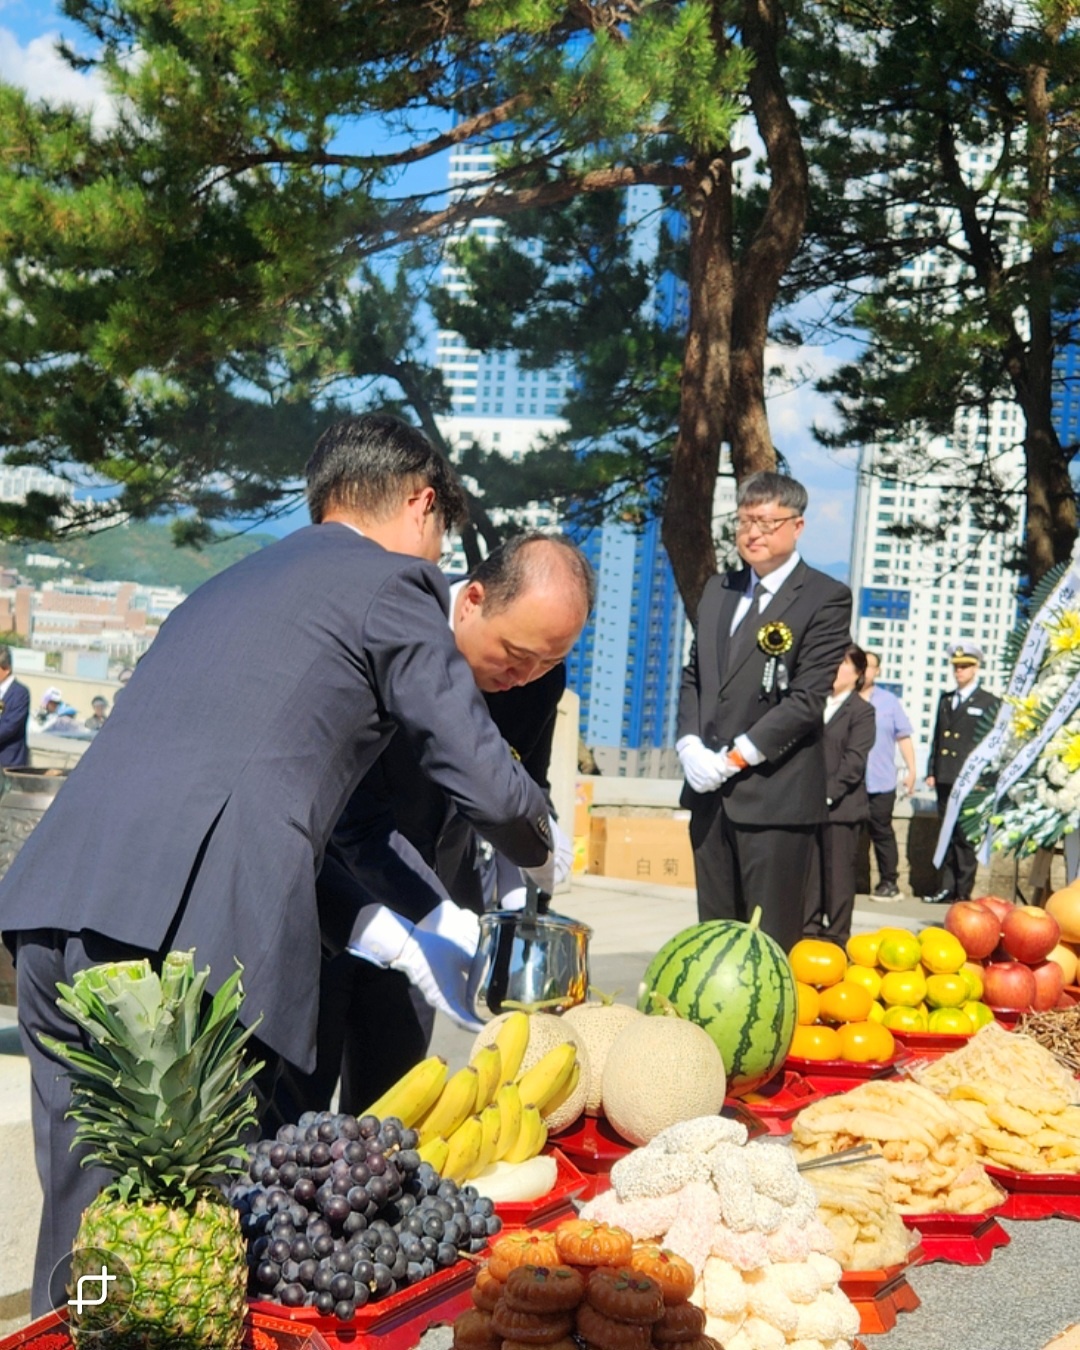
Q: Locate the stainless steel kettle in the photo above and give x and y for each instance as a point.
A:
(525, 957)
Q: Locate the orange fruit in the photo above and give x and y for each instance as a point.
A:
(941, 952)
(817, 962)
(815, 1042)
(978, 1013)
(950, 1022)
(869, 978)
(972, 974)
(862, 948)
(904, 987)
(808, 999)
(877, 1012)
(899, 1018)
(862, 1042)
(946, 991)
(899, 952)
(845, 1002)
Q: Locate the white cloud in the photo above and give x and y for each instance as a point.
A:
(38, 68)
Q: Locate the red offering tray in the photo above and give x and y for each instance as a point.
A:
(879, 1295)
(964, 1239)
(558, 1204)
(845, 1068)
(394, 1323)
(263, 1331)
(1038, 1195)
(940, 1042)
(777, 1102)
(592, 1146)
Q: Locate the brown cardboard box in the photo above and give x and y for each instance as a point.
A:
(583, 795)
(642, 848)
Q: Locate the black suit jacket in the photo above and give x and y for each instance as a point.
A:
(199, 814)
(849, 738)
(954, 733)
(14, 713)
(397, 795)
(719, 701)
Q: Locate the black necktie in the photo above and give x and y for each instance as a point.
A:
(745, 635)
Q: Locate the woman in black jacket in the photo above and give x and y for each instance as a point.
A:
(849, 737)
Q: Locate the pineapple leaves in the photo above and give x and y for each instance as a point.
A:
(160, 1093)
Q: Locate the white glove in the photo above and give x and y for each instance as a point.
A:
(703, 768)
(559, 861)
(435, 954)
(514, 899)
(728, 768)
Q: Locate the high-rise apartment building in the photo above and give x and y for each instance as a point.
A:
(625, 667)
(912, 598)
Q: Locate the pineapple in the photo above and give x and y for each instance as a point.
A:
(161, 1097)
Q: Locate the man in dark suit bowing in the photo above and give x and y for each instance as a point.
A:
(769, 640)
(197, 821)
(514, 620)
(14, 713)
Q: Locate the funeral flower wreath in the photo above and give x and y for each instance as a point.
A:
(1033, 749)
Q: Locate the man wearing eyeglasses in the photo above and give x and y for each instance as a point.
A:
(769, 639)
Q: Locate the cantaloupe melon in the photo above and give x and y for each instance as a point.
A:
(598, 1024)
(659, 1071)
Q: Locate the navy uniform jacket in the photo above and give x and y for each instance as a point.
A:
(719, 700)
(954, 733)
(14, 713)
(199, 815)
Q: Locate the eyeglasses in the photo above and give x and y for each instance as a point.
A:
(761, 523)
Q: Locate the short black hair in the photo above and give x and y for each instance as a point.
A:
(764, 487)
(372, 462)
(517, 564)
(5, 657)
(855, 654)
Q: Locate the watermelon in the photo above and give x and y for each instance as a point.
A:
(737, 983)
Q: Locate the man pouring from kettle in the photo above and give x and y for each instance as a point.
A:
(514, 620)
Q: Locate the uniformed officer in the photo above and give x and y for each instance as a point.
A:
(959, 715)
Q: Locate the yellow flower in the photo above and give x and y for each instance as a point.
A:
(1024, 720)
(1064, 632)
(1070, 752)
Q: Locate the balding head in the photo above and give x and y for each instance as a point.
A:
(522, 610)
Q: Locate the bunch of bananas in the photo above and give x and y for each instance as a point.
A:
(485, 1112)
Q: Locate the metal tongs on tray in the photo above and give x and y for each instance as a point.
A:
(857, 1153)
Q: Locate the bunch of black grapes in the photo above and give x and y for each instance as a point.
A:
(339, 1212)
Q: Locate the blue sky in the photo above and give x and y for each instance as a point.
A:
(28, 31)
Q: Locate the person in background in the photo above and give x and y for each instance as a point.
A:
(99, 714)
(55, 716)
(14, 715)
(893, 733)
(768, 641)
(849, 738)
(959, 715)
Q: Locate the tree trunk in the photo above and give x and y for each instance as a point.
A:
(774, 244)
(705, 386)
(1051, 502)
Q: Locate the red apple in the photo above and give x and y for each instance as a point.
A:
(1030, 934)
(977, 927)
(1065, 1001)
(1048, 985)
(1008, 984)
(994, 902)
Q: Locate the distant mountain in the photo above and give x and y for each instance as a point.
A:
(143, 553)
(837, 570)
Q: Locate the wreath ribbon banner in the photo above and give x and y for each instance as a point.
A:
(1065, 595)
